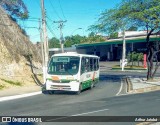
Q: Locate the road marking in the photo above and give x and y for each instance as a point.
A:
(148, 123)
(57, 118)
(120, 88)
(77, 115)
(90, 112)
(19, 96)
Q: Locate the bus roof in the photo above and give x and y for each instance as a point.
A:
(74, 54)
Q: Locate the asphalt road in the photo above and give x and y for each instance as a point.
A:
(44, 103)
(100, 101)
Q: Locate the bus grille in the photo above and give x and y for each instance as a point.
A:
(61, 81)
(61, 87)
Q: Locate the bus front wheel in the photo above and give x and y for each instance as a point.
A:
(50, 92)
(80, 89)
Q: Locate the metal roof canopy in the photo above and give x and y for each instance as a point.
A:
(119, 41)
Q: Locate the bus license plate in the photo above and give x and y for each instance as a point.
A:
(60, 88)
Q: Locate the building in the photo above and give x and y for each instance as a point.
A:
(111, 49)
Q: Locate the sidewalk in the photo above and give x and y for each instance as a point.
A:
(140, 85)
(19, 90)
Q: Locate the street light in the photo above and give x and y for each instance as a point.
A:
(75, 30)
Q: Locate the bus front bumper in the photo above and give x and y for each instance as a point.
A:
(71, 86)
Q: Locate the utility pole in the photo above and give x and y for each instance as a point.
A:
(124, 51)
(61, 34)
(42, 48)
(45, 38)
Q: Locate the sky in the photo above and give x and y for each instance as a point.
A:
(79, 14)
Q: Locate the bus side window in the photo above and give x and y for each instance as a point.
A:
(82, 65)
(87, 64)
(95, 64)
(91, 64)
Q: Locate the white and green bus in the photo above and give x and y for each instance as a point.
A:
(72, 72)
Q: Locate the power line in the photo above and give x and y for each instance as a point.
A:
(51, 31)
(38, 3)
(30, 27)
(51, 21)
(54, 9)
(49, 18)
(61, 9)
(30, 20)
(36, 18)
(37, 35)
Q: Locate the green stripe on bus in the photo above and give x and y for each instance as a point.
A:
(88, 83)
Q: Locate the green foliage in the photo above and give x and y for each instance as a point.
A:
(135, 57)
(12, 82)
(95, 38)
(113, 35)
(129, 13)
(132, 28)
(76, 39)
(15, 8)
(2, 86)
(133, 13)
(139, 56)
(92, 34)
(72, 40)
(54, 43)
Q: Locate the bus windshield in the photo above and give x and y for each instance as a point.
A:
(64, 65)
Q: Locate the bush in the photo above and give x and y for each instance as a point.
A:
(135, 57)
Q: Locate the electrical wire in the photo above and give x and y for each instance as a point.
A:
(50, 29)
(61, 9)
(49, 18)
(38, 3)
(54, 10)
(35, 36)
(52, 22)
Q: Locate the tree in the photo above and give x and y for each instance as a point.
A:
(72, 40)
(15, 8)
(146, 14)
(133, 28)
(113, 35)
(76, 39)
(54, 43)
(137, 13)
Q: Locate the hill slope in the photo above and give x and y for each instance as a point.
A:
(14, 50)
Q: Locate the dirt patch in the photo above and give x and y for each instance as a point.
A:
(18, 81)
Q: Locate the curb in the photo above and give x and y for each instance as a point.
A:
(129, 85)
(128, 70)
(147, 89)
(130, 89)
